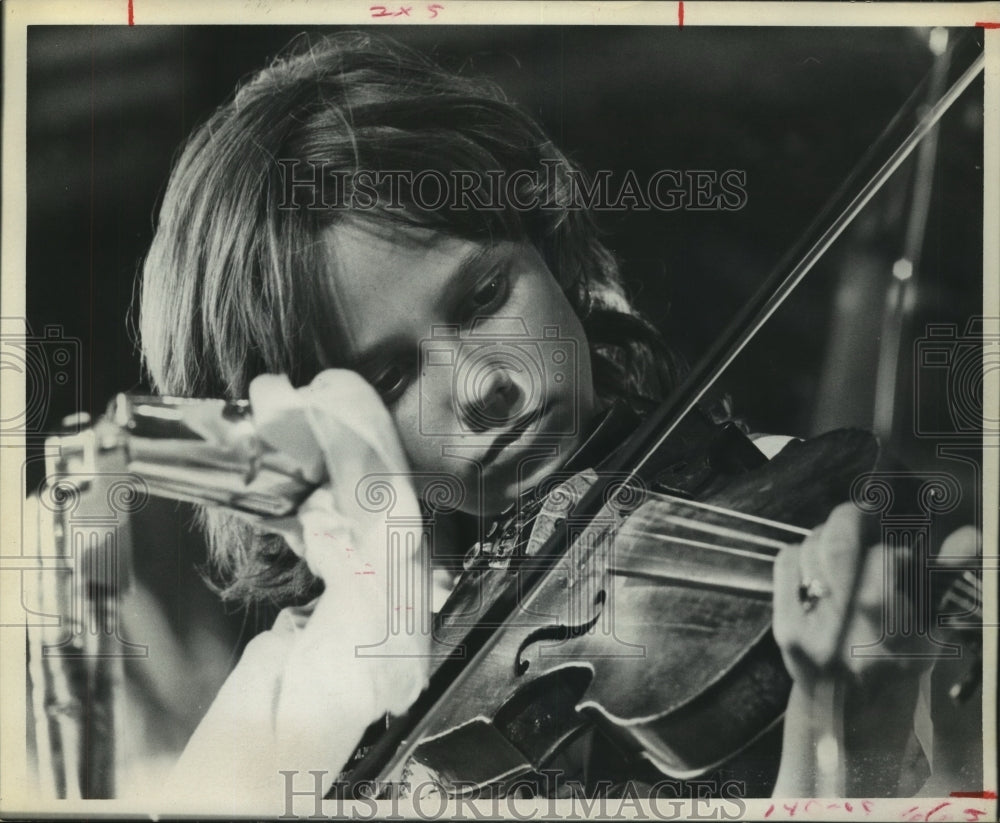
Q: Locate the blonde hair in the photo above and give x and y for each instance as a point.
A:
(228, 287)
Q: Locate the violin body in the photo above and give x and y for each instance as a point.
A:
(653, 626)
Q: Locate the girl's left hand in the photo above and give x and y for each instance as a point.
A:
(829, 596)
(834, 601)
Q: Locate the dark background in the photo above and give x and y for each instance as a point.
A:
(109, 107)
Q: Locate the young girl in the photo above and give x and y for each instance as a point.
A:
(392, 263)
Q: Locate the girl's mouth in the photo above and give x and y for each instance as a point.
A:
(512, 435)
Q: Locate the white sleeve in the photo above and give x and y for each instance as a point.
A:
(233, 761)
(228, 760)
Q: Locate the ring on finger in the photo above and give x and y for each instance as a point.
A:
(810, 592)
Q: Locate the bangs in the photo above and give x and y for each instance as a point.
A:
(473, 167)
(237, 281)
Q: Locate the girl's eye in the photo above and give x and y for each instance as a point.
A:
(390, 382)
(488, 296)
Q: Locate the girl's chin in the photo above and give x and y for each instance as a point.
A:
(525, 476)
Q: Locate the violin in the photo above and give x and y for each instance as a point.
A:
(653, 626)
(642, 605)
(634, 596)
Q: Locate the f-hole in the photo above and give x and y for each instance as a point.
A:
(557, 633)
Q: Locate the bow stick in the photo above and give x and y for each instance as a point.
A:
(404, 733)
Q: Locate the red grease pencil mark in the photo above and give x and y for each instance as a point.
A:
(987, 795)
(680, 13)
(986, 25)
(131, 13)
(937, 808)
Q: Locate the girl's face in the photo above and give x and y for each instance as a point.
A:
(475, 350)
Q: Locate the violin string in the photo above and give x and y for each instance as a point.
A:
(700, 544)
(739, 517)
(722, 531)
(762, 589)
(734, 515)
(731, 550)
(763, 546)
(769, 546)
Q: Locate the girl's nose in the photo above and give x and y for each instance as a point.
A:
(493, 398)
